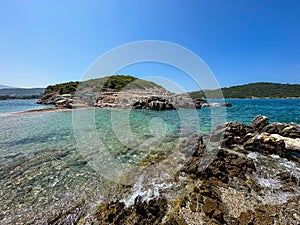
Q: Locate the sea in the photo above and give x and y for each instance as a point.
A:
(54, 163)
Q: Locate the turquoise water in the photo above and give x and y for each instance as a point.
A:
(50, 161)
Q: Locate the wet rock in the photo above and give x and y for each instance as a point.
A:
(259, 122)
(228, 104)
(287, 178)
(227, 165)
(223, 168)
(224, 183)
(199, 102)
(266, 144)
(141, 212)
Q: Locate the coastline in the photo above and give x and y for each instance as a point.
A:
(240, 167)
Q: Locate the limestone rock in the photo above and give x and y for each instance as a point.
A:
(286, 130)
(259, 122)
(265, 144)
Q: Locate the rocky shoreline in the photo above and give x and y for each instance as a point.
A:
(150, 98)
(244, 175)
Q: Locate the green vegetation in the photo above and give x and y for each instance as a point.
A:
(117, 82)
(21, 93)
(63, 88)
(254, 90)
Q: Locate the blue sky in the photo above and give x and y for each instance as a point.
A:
(47, 42)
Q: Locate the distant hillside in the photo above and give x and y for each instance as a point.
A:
(254, 90)
(11, 93)
(5, 86)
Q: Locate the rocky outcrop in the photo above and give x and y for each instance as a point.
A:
(236, 179)
(115, 213)
(120, 92)
(230, 134)
(154, 103)
(49, 99)
(259, 122)
(275, 138)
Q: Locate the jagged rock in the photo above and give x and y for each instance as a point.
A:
(274, 128)
(265, 144)
(199, 102)
(286, 213)
(259, 122)
(292, 131)
(292, 144)
(225, 166)
(233, 186)
(275, 138)
(142, 212)
(230, 134)
(153, 103)
(286, 130)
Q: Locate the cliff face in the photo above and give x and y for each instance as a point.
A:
(118, 91)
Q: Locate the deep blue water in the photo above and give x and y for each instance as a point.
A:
(278, 110)
(7, 106)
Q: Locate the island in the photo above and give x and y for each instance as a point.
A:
(119, 91)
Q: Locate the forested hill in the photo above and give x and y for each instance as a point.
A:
(253, 90)
(116, 82)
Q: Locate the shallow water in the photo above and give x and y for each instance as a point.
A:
(53, 161)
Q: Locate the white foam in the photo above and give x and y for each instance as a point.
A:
(149, 190)
(269, 183)
(252, 155)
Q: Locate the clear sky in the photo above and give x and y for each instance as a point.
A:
(242, 41)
